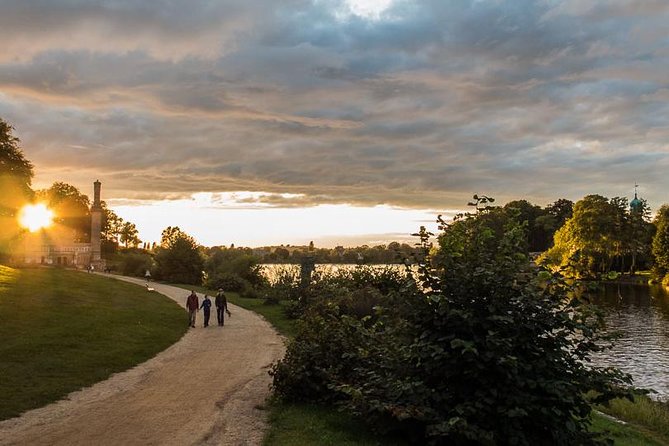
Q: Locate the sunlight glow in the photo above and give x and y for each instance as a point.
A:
(35, 216)
(371, 9)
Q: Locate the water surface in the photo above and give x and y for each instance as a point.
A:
(641, 314)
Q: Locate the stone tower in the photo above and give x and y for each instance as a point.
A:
(96, 226)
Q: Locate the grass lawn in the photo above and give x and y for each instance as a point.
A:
(311, 425)
(62, 330)
(648, 417)
(624, 434)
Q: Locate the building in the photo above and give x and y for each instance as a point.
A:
(636, 205)
(56, 246)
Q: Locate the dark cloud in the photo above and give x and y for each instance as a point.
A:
(422, 106)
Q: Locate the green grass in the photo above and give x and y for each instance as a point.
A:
(307, 425)
(624, 434)
(644, 415)
(62, 330)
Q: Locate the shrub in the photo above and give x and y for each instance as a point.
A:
(131, 262)
(227, 281)
(483, 350)
(497, 355)
(234, 270)
(318, 357)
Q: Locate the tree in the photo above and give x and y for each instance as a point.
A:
(561, 210)
(601, 236)
(171, 235)
(641, 233)
(16, 174)
(234, 269)
(71, 209)
(178, 259)
(129, 235)
(112, 224)
(660, 245)
(589, 241)
(524, 211)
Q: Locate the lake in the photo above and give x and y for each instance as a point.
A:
(641, 314)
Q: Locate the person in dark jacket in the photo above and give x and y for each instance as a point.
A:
(192, 306)
(221, 307)
(206, 307)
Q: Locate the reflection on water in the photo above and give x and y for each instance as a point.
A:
(641, 315)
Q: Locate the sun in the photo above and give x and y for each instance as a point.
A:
(35, 216)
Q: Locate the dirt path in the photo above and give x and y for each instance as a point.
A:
(206, 389)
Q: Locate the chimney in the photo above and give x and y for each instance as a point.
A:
(96, 225)
(96, 195)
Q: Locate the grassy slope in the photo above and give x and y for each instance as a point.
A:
(63, 330)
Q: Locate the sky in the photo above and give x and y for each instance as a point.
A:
(341, 121)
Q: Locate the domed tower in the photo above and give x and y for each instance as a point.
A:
(636, 205)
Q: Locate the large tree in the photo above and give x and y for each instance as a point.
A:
(178, 259)
(130, 235)
(16, 174)
(641, 232)
(71, 209)
(524, 212)
(602, 235)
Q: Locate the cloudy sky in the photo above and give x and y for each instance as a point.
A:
(259, 121)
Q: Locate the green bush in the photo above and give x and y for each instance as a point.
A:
(227, 281)
(358, 287)
(134, 263)
(339, 315)
(483, 350)
(319, 357)
(233, 270)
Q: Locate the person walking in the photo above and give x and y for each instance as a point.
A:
(206, 307)
(192, 306)
(221, 307)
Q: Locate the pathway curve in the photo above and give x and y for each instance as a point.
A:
(207, 389)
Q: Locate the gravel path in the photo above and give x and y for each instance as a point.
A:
(207, 389)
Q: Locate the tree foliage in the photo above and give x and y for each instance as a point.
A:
(483, 349)
(233, 269)
(129, 235)
(16, 174)
(178, 259)
(661, 242)
(602, 235)
(71, 209)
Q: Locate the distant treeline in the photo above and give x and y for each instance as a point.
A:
(393, 252)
